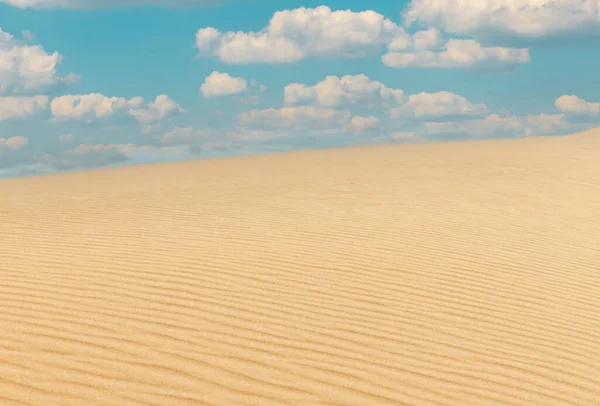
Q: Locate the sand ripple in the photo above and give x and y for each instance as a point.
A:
(438, 274)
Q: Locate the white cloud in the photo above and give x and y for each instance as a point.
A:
(221, 84)
(437, 104)
(458, 53)
(574, 105)
(360, 125)
(150, 116)
(349, 90)
(528, 18)
(335, 91)
(13, 143)
(420, 40)
(77, 4)
(292, 35)
(91, 106)
(294, 117)
(27, 68)
(18, 107)
(97, 106)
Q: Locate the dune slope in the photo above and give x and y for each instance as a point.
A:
(438, 274)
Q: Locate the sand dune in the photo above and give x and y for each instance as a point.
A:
(460, 273)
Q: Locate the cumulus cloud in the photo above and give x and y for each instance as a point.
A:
(297, 117)
(437, 104)
(293, 35)
(103, 3)
(91, 106)
(359, 125)
(150, 115)
(19, 107)
(351, 90)
(458, 53)
(425, 39)
(96, 106)
(572, 104)
(336, 91)
(526, 18)
(222, 84)
(28, 68)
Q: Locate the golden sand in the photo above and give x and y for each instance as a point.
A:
(462, 273)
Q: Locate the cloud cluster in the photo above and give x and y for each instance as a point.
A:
(28, 68)
(293, 35)
(525, 18)
(352, 90)
(336, 105)
(19, 107)
(458, 53)
(361, 125)
(150, 116)
(439, 104)
(91, 106)
(572, 104)
(336, 91)
(96, 106)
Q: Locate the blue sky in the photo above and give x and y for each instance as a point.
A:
(158, 80)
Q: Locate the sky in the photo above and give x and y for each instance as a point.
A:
(95, 83)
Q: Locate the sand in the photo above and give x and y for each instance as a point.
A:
(463, 273)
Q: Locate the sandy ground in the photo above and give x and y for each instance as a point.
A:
(436, 274)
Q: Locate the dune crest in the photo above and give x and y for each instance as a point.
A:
(462, 273)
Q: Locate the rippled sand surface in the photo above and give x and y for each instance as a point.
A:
(460, 273)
